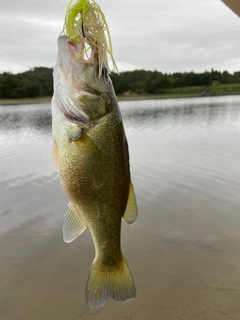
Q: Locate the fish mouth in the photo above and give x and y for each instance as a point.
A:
(69, 49)
(68, 89)
(71, 60)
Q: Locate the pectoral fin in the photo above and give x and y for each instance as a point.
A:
(131, 212)
(73, 225)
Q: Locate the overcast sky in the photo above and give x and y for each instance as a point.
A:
(165, 35)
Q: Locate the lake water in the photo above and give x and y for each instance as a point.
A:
(184, 250)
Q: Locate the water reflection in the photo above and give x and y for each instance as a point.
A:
(135, 113)
(24, 118)
(186, 111)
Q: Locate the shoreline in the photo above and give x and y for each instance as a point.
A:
(4, 102)
(172, 96)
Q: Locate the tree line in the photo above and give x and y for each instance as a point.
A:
(38, 82)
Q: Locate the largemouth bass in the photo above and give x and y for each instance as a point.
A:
(91, 156)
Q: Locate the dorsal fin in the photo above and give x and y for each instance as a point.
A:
(73, 225)
(131, 212)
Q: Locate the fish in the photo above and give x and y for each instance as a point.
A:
(91, 155)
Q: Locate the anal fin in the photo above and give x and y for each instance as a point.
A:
(131, 212)
(73, 225)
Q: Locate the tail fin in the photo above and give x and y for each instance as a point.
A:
(109, 282)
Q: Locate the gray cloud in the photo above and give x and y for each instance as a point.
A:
(170, 36)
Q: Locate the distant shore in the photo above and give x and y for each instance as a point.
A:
(129, 97)
(25, 101)
(170, 96)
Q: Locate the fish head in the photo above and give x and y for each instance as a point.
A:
(79, 93)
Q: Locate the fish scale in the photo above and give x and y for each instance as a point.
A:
(91, 156)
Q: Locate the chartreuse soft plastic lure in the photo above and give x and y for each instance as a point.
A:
(85, 21)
